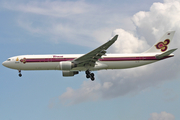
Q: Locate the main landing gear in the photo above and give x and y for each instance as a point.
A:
(90, 75)
(20, 75)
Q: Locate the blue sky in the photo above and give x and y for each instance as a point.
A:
(65, 27)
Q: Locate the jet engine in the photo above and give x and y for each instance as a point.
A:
(69, 73)
(67, 65)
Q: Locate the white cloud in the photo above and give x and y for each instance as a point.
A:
(127, 43)
(50, 8)
(77, 22)
(88, 91)
(161, 18)
(150, 26)
(58, 20)
(162, 116)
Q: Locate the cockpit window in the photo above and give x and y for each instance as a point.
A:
(8, 59)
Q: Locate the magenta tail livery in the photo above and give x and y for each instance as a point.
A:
(71, 64)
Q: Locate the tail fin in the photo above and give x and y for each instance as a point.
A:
(162, 44)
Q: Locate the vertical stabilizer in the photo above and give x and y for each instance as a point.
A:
(162, 44)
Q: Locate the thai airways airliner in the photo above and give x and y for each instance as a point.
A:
(97, 59)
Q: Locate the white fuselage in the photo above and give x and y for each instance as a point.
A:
(52, 62)
(96, 59)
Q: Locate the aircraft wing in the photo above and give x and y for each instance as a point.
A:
(89, 59)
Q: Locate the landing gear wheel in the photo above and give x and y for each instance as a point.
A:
(20, 75)
(90, 75)
(92, 78)
(87, 76)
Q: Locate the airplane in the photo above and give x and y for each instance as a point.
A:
(97, 59)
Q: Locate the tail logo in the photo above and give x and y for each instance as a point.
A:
(163, 45)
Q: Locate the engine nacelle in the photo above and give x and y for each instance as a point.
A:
(66, 65)
(69, 73)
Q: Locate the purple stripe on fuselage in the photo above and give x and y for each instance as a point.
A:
(48, 59)
(104, 59)
(128, 58)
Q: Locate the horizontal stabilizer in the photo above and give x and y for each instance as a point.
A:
(165, 53)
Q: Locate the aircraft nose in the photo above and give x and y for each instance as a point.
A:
(4, 64)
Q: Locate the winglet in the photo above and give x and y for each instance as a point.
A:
(115, 38)
(110, 42)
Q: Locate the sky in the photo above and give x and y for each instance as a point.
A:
(150, 92)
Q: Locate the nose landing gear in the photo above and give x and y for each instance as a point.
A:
(90, 75)
(20, 75)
